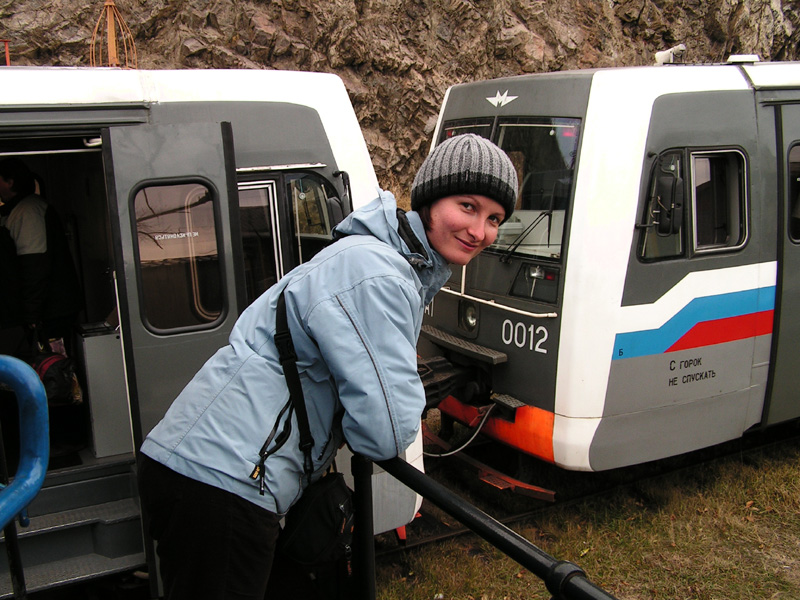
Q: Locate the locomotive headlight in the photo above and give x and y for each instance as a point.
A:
(468, 315)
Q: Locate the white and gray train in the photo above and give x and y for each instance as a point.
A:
(641, 301)
(186, 194)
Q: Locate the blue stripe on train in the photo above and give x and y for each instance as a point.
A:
(707, 308)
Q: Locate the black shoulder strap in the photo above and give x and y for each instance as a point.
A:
(288, 358)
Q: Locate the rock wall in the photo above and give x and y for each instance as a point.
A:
(397, 57)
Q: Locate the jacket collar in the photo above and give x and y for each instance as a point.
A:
(403, 231)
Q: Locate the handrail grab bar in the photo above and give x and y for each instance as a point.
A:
(564, 580)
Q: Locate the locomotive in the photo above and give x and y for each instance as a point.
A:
(637, 305)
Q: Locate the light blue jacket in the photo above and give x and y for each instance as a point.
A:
(355, 312)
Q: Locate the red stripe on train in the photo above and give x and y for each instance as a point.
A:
(720, 331)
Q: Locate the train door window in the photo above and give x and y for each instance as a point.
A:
(260, 236)
(481, 127)
(719, 200)
(181, 278)
(309, 193)
(663, 224)
(794, 193)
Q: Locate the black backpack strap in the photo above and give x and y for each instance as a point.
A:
(288, 358)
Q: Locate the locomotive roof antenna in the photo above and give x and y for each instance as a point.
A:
(117, 35)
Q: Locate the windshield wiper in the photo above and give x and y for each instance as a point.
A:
(506, 257)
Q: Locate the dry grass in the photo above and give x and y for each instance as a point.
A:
(728, 531)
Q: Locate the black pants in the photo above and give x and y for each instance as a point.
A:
(212, 544)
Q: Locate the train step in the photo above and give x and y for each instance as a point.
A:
(84, 523)
(72, 570)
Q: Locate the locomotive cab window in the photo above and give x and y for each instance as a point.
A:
(481, 127)
(543, 152)
(181, 278)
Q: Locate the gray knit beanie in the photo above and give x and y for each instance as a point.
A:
(466, 164)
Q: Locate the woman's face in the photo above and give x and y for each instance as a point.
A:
(459, 227)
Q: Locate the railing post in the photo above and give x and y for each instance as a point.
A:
(364, 532)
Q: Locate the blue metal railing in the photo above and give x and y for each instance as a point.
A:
(563, 579)
(34, 452)
(33, 434)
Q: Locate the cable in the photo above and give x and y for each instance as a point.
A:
(465, 444)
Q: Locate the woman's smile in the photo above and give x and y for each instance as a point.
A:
(461, 226)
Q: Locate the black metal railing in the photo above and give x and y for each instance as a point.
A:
(564, 580)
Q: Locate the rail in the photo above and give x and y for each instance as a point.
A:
(563, 579)
(34, 452)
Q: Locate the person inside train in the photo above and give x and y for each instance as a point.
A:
(46, 288)
(354, 312)
(41, 295)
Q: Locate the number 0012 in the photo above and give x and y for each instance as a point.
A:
(522, 336)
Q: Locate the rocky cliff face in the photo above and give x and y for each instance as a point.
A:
(397, 57)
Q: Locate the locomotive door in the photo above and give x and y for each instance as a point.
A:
(169, 193)
(784, 402)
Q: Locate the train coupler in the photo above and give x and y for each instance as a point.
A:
(487, 474)
(439, 378)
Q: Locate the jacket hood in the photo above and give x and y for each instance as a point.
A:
(404, 232)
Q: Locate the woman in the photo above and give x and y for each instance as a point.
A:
(354, 312)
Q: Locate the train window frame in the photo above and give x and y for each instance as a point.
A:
(214, 316)
(268, 197)
(733, 197)
(793, 189)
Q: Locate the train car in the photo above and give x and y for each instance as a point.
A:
(638, 304)
(185, 194)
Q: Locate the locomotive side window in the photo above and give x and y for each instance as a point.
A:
(794, 193)
(716, 184)
(719, 200)
(181, 278)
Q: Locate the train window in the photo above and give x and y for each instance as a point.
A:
(309, 195)
(718, 197)
(543, 151)
(481, 127)
(794, 193)
(260, 240)
(181, 279)
(658, 241)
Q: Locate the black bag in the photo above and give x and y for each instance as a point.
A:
(319, 527)
(57, 373)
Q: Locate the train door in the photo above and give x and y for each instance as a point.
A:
(783, 402)
(169, 199)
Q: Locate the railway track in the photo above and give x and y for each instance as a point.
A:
(433, 525)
